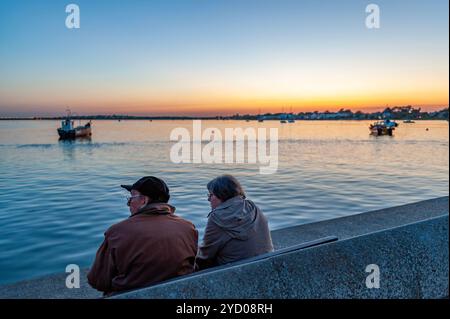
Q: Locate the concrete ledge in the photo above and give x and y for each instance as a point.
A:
(360, 224)
(413, 263)
(263, 257)
(344, 228)
(49, 287)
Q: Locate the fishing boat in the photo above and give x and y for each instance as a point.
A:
(69, 131)
(385, 127)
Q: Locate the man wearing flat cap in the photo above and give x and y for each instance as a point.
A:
(150, 246)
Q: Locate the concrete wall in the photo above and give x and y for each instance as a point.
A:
(413, 263)
(409, 243)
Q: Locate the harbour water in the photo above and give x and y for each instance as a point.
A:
(58, 197)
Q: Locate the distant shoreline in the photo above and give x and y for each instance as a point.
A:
(395, 113)
(191, 119)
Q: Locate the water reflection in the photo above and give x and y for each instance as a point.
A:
(69, 146)
(72, 141)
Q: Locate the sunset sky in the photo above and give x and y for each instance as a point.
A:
(208, 57)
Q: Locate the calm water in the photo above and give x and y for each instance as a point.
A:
(57, 198)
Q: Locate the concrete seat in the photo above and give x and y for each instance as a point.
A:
(294, 248)
(309, 244)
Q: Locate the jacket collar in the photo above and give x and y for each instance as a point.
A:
(155, 209)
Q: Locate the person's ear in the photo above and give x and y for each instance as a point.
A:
(148, 200)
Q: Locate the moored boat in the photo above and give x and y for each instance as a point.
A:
(69, 131)
(385, 127)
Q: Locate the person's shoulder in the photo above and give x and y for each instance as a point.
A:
(214, 222)
(117, 227)
(182, 222)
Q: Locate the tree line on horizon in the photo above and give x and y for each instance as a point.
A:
(394, 113)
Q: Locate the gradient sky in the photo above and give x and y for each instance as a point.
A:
(221, 56)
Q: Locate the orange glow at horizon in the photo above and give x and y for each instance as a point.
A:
(229, 99)
(227, 105)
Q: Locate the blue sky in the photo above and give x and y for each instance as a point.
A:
(200, 56)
